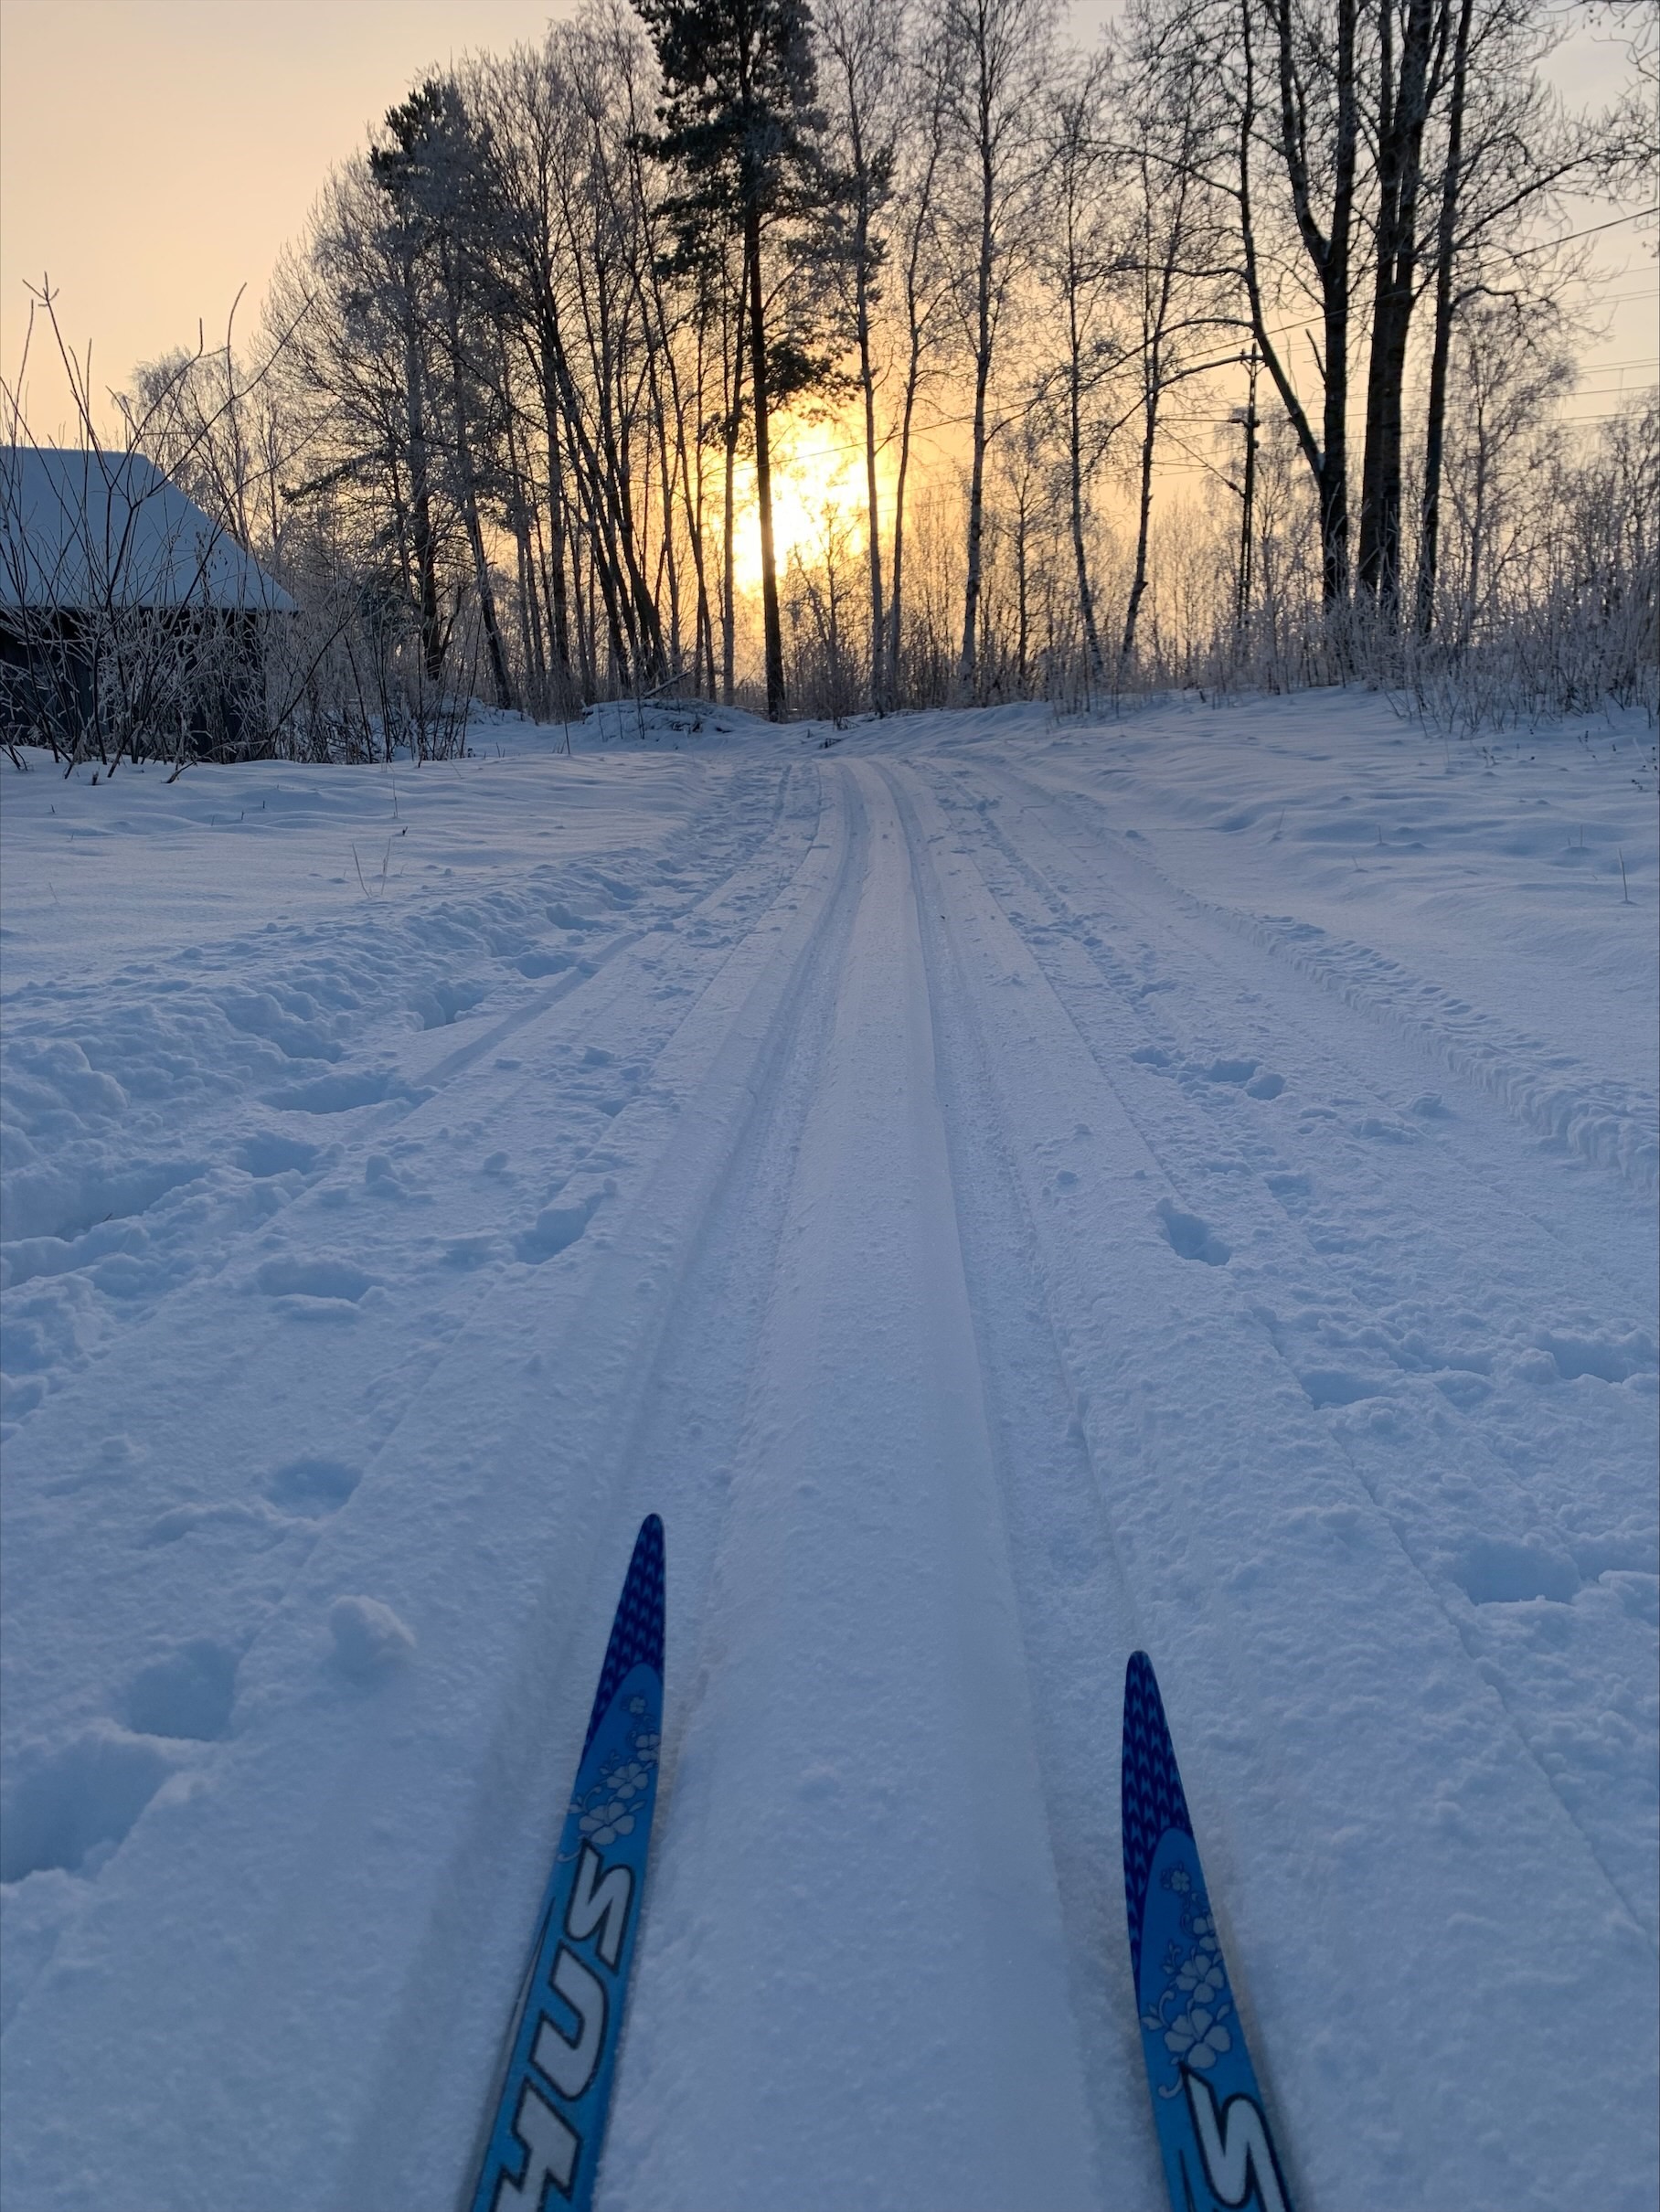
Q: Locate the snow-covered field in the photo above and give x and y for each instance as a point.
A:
(1005, 1192)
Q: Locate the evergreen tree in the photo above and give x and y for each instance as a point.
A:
(740, 124)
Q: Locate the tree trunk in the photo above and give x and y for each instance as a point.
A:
(878, 680)
(433, 638)
(660, 354)
(763, 465)
(558, 600)
(582, 602)
(1334, 324)
(555, 381)
(1478, 535)
(1023, 595)
(1086, 597)
(485, 588)
(1138, 582)
(531, 641)
(862, 270)
(1402, 110)
(1428, 539)
(966, 673)
(1329, 254)
(595, 510)
(481, 566)
(729, 613)
(916, 319)
(896, 595)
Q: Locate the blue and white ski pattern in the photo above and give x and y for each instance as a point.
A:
(1213, 2131)
(549, 2126)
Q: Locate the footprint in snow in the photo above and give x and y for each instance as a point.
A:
(1497, 1570)
(266, 1153)
(1331, 1387)
(253, 1519)
(70, 1804)
(186, 1694)
(1608, 1357)
(341, 1094)
(1189, 1237)
(295, 1498)
(316, 1289)
(1462, 1389)
(383, 1179)
(313, 1488)
(441, 1004)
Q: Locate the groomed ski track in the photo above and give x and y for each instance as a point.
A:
(944, 1281)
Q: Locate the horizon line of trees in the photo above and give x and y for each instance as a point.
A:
(516, 380)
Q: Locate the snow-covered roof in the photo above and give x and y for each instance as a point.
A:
(83, 529)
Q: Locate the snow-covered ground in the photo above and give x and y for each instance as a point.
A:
(1005, 1192)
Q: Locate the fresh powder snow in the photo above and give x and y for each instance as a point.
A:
(1008, 1191)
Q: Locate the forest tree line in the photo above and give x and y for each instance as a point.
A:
(1227, 352)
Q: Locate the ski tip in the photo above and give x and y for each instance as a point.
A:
(636, 1629)
(1153, 1800)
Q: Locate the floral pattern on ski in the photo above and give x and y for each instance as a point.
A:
(1217, 2149)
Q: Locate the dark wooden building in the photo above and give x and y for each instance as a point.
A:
(126, 614)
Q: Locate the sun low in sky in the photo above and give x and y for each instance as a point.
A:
(819, 501)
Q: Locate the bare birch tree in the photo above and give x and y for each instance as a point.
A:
(995, 65)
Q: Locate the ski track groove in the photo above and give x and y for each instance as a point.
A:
(708, 2082)
(674, 1458)
(1044, 1452)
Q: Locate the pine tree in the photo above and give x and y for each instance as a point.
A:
(740, 124)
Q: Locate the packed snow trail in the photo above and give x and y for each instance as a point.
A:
(993, 1239)
(869, 1654)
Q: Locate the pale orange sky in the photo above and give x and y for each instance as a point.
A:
(157, 154)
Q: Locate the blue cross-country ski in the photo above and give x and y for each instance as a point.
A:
(547, 2125)
(1213, 2131)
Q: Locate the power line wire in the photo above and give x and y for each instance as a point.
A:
(1639, 215)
